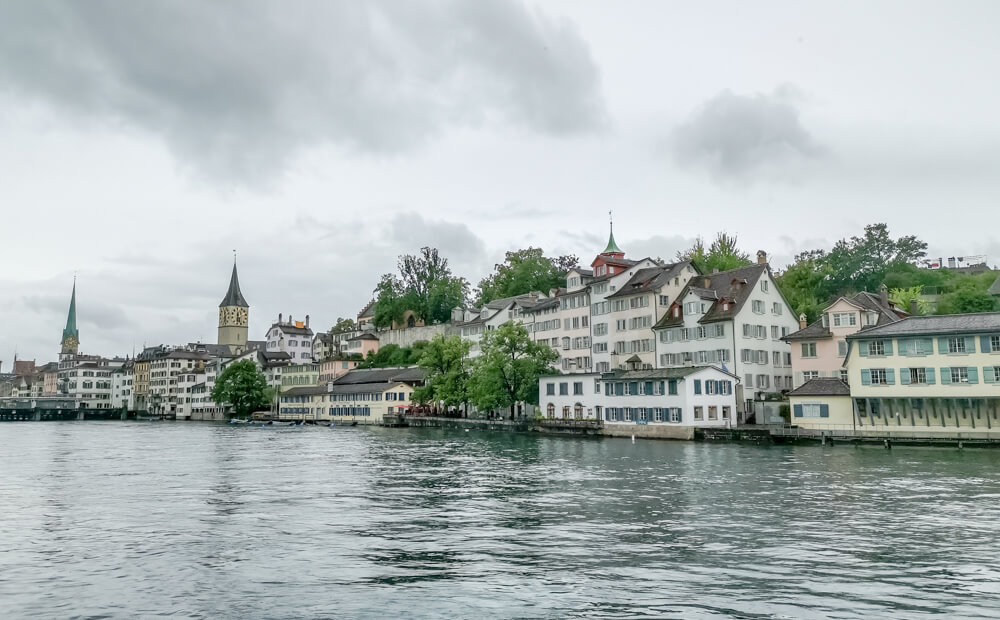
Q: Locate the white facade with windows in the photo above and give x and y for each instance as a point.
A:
(604, 319)
(292, 337)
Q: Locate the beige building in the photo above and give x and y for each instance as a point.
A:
(361, 396)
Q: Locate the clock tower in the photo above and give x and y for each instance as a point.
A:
(234, 316)
(70, 336)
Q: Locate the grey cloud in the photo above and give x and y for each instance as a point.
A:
(745, 137)
(238, 89)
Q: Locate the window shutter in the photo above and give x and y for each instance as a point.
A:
(633, 387)
(984, 344)
(888, 347)
(798, 378)
(697, 386)
(989, 374)
(970, 344)
(824, 411)
(863, 348)
(930, 375)
(866, 376)
(973, 374)
(798, 410)
(904, 376)
(942, 346)
(945, 373)
(890, 376)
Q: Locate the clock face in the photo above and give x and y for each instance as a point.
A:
(71, 342)
(241, 317)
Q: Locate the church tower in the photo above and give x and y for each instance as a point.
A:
(70, 335)
(234, 316)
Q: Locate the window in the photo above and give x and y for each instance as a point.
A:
(876, 347)
(809, 374)
(776, 356)
(871, 318)
(811, 410)
(550, 389)
(713, 412)
(774, 332)
(808, 349)
(841, 348)
(763, 286)
(600, 329)
(748, 380)
(563, 389)
(956, 345)
(878, 376)
(620, 325)
(672, 387)
(845, 319)
(959, 374)
(918, 375)
(664, 300)
(699, 413)
(994, 344)
(843, 375)
(763, 381)
(757, 306)
(578, 388)
(776, 308)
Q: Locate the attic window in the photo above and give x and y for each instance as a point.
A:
(725, 306)
(677, 311)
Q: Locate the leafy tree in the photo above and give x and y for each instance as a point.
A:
(723, 254)
(244, 387)
(446, 360)
(968, 296)
(508, 368)
(861, 263)
(902, 297)
(342, 326)
(524, 271)
(805, 284)
(425, 286)
(394, 355)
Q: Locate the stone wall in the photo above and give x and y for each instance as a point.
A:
(649, 431)
(406, 337)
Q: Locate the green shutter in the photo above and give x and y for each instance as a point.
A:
(824, 411)
(888, 347)
(866, 376)
(927, 346)
(970, 344)
(697, 386)
(798, 410)
(942, 345)
(648, 388)
(973, 374)
(863, 348)
(930, 375)
(890, 376)
(984, 344)
(945, 374)
(989, 374)
(633, 387)
(904, 376)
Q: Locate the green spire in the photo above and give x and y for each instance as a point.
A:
(612, 246)
(71, 317)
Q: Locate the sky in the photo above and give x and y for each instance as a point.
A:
(142, 143)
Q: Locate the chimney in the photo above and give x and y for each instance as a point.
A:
(290, 322)
(708, 283)
(883, 293)
(761, 257)
(279, 318)
(307, 320)
(803, 322)
(914, 307)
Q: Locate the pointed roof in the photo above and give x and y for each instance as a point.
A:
(234, 297)
(70, 329)
(612, 246)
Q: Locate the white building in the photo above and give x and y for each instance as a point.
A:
(122, 394)
(87, 379)
(292, 337)
(472, 326)
(734, 319)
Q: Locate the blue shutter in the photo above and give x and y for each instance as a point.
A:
(863, 348)
(904, 376)
(697, 386)
(798, 410)
(648, 388)
(942, 345)
(680, 414)
(633, 387)
(970, 344)
(888, 347)
(945, 375)
(989, 374)
(930, 375)
(890, 376)
(984, 344)
(866, 376)
(973, 374)
(824, 411)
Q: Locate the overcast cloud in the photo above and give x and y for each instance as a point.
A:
(140, 143)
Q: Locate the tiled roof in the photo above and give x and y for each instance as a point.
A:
(734, 285)
(650, 279)
(368, 310)
(822, 386)
(659, 373)
(293, 330)
(364, 336)
(813, 331)
(934, 325)
(382, 375)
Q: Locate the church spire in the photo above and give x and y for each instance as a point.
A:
(70, 335)
(612, 246)
(234, 297)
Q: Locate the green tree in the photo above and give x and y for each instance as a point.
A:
(805, 284)
(447, 366)
(902, 297)
(968, 296)
(394, 355)
(425, 286)
(243, 387)
(508, 368)
(524, 271)
(723, 254)
(342, 326)
(861, 263)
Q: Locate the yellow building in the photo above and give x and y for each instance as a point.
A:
(299, 375)
(366, 403)
(823, 403)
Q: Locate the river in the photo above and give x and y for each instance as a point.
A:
(154, 519)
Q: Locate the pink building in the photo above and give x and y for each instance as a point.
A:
(819, 349)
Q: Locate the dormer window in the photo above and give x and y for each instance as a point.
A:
(871, 318)
(677, 312)
(826, 320)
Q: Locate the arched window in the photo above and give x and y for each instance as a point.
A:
(566, 412)
(410, 321)
(578, 411)
(551, 410)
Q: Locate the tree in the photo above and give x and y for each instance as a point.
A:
(508, 368)
(446, 362)
(968, 296)
(425, 286)
(723, 254)
(524, 271)
(394, 355)
(244, 387)
(805, 284)
(902, 297)
(343, 326)
(861, 263)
